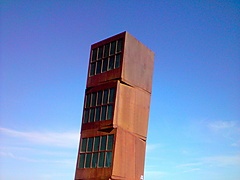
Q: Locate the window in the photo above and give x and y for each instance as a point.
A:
(112, 95)
(84, 144)
(119, 45)
(98, 111)
(99, 66)
(92, 114)
(96, 152)
(106, 50)
(111, 63)
(100, 52)
(99, 100)
(92, 69)
(117, 62)
(99, 106)
(113, 48)
(94, 54)
(105, 64)
(81, 161)
(106, 58)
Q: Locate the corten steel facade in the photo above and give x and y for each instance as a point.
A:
(116, 110)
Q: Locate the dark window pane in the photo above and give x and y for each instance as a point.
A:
(99, 97)
(84, 145)
(100, 52)
(88, 160)
(108, 162)
(86, 115)
(90, 144)
(88, 99)
(92, 69)
(101, 159)
(110, 142)
(111, 63)
(92, 112)
(118, 60)
(94, 160)
(93, 103)
(96, 143)
(106, 50)
(81, 161)
(113, 47)
(105, 96)
(112, 95)
(103, 114)
(98, 110)
(119, 45)
(105, 64)
(110, 112)
(94, 54)
(103, 143)
(99, 66)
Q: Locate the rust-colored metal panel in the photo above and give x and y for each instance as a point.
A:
(137, 64)
(132, 109)
(93, 174)
(128, 156)
(140, 146)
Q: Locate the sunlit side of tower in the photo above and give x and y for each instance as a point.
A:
(116, 109)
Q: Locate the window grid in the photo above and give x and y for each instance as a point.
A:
(99, 106)
(96, 152)
(106, 57)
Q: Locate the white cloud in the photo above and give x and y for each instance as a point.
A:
(152, 147)
(189, 164)
(229, 130)
(6, 154)
(62, 139)
(60, 161)
(222, 125)
(39, 147)
(236, 144)
(191, 170)
(154, 174)
(190, 167)
(231, 160)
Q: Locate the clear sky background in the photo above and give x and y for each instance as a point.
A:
(194, 125)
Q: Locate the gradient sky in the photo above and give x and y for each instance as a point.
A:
(194, 125)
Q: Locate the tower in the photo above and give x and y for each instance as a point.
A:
(116, 110)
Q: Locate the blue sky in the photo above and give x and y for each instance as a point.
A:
(194, 125)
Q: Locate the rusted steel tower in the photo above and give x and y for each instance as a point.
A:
(116, 110)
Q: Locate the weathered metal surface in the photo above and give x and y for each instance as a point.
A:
(129, 124)
(137, 66)
(129, 155)
(132, 109)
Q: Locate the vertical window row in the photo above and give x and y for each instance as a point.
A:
(106, 57)
(99, 106)
(96, 152)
